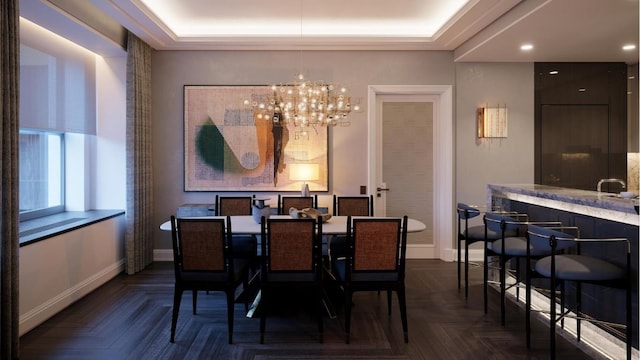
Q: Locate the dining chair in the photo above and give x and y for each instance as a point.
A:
(375, 262)
(470, 235)
(244, 246)
(347, 206)
(353, 205)
(567, 263)
(512, 245)
(291, 259)
(203, 260)
(299, 202)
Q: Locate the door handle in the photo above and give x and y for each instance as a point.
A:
(383, 189)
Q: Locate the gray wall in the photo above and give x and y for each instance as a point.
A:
(348, 145)
(504, 160)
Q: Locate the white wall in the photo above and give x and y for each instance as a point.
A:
(509, 160)
(171, 70)
(109, 166)
(56, 272)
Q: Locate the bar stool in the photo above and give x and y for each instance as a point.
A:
(566, 263)
(470, 235)
(512, 244)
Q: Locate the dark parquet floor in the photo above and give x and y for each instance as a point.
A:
(130, 316)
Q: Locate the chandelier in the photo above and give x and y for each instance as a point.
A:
(304, 103)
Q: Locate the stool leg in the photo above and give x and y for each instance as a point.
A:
(503, 289)
(466, 268)
(459, 259)
(629, 309)
(552, 320)
(578, 308)
(528, 301)
(486, 274)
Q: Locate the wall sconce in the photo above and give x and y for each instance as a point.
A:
(304, 173)
(492, 122)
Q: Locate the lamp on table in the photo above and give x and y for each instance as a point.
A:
(304, 173)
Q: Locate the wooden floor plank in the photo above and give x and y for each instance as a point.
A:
(130, 317)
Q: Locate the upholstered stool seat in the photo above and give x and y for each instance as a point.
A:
(580, 268)
(514, 246)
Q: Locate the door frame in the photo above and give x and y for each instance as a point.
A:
(443, 159)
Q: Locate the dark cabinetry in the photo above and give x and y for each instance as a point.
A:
(580, 124)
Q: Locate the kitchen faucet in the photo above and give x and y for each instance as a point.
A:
(602, 181)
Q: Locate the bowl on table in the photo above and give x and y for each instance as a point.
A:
(627, 194)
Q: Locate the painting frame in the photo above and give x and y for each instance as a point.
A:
(227, 147)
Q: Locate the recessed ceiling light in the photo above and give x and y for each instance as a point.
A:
(553, 72)
(582, 90)
(526, 47)
(628, 47)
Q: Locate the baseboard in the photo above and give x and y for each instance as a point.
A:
(40, 314)
(421, 251)
(162, 255)
(474, 255)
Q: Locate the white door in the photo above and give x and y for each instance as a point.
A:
(411, 155)
(406, 182)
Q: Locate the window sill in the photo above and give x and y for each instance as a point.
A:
(32, 231)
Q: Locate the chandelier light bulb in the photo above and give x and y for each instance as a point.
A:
(304, 103)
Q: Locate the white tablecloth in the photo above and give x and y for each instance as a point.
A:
(337, 225)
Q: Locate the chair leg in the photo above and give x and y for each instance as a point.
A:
(263, 313)
(347, 315)
(320, 313)
(195, 300)
(403, 312)
(177, 298)
(389, 300)
(230, 308)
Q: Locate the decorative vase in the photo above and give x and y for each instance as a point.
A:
(259, 209)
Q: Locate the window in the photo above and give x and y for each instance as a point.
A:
(57, 102)
(41, 173)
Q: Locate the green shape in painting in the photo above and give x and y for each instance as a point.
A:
(212, 147)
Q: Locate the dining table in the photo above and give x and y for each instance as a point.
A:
(336, 225)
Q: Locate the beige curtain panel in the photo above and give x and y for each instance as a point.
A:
(139, 228)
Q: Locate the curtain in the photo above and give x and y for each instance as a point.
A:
(139, 211)
(9, 73)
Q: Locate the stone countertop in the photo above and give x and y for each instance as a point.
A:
(598, 204)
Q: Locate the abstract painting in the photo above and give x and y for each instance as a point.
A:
(227, 148)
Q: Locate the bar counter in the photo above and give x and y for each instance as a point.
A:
(597, 215)
(601, 205)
